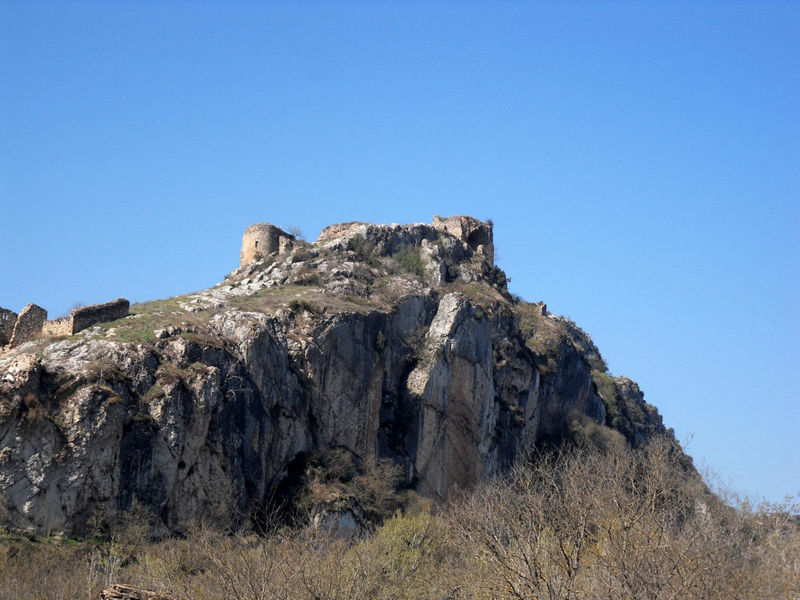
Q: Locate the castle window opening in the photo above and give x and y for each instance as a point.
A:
(256, 243)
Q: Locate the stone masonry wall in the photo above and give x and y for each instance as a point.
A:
(87, 316)
(263, 239)
(62, 326)
(29, 324)
(8, 319)
(32, 321)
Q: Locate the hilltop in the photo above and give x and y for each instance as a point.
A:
(394, 347)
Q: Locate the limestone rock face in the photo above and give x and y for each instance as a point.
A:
(396, 342)
(454, 387)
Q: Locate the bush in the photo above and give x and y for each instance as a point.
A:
(408, 257)
(306, 275)
(365, 250)
(338, 474)
(623, 524)
(301, 253)
(301, 306)
(627, 524)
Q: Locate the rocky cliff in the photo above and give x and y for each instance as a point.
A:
(398, 342)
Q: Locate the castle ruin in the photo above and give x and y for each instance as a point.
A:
(29, 324)
(263, 239)
(8, 319)
(32, 322)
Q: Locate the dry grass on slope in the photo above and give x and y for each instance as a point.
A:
(623, 525)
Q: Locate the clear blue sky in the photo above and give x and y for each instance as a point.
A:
(641, 162)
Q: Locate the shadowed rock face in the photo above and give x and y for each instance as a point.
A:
(395, 341)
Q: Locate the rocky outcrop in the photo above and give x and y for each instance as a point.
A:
(396, 342)
(454, 387)
(476, 234)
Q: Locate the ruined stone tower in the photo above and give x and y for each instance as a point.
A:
(263, 239)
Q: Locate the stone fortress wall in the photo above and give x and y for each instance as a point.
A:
(86, 316)
(8, 319)
(29, 324)
(32, 322)
(60, 326)
(263, 239)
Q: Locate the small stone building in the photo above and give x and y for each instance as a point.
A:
(263, 239)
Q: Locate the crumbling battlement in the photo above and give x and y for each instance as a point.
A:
(476, 234)
(32, 322)
(86, 316)
(60, 326)
(8, 319)
(29, 324)
(263, 239)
